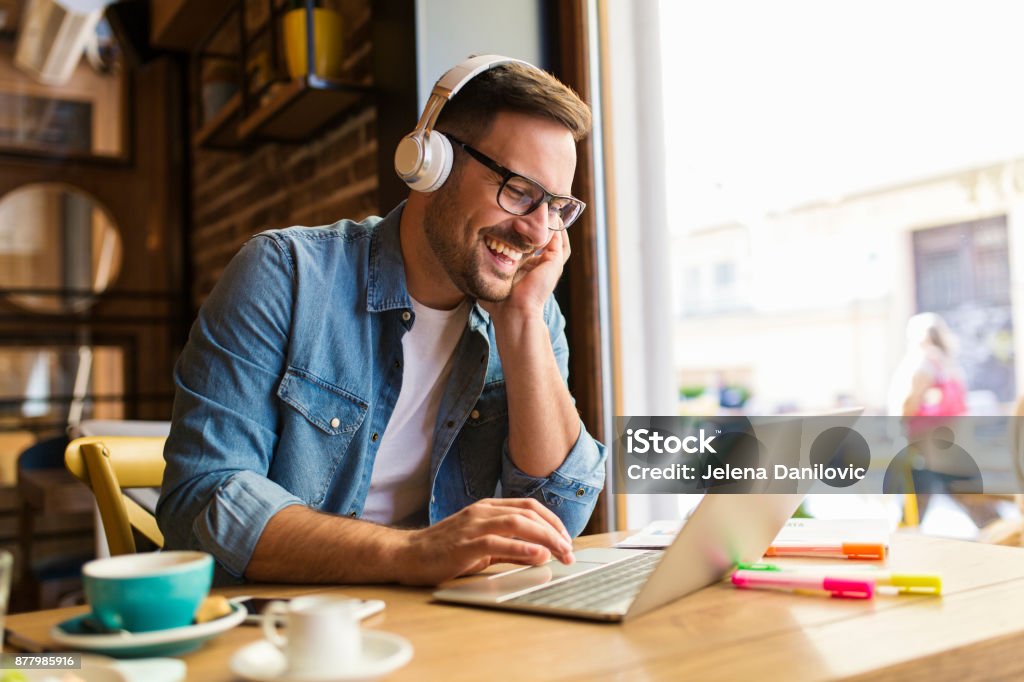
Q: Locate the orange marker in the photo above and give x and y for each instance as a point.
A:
(845, 550)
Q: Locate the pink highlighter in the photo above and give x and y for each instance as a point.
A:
(844, 588)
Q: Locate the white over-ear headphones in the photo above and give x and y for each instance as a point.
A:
(424, 157)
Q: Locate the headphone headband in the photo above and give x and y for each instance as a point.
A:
(460, 74)
(449, 84)
(424, 158)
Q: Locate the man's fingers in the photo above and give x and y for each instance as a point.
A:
(564, 542)
(519, 525)
(536, 507)
(501, 549)
(524, 518)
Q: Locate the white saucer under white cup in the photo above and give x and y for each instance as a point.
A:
(322, 633)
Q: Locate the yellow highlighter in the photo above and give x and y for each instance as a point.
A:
(906, 583)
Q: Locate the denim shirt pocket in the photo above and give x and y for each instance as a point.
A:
(481, 441)
(330, 418)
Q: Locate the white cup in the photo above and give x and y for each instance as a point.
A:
(322, 633)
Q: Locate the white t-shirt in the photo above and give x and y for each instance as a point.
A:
(400, 483)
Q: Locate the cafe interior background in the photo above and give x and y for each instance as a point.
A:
(774, 189)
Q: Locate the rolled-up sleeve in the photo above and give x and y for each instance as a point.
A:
(216, 496)
(571, 490)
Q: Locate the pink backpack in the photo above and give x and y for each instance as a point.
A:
(953, 402)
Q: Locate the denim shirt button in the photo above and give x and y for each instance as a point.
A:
(581, 492)
(406, 316)
(335, 423)
(475, 414)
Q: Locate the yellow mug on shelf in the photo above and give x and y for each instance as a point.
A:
(327, 40)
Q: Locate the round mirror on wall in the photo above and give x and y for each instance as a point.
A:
(60, 244)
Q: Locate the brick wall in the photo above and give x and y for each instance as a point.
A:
(238, 194)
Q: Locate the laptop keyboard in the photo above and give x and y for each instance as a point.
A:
(602, 587)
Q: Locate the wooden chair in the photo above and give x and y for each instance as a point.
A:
(111, 464)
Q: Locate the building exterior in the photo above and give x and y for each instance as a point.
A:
(807, 308)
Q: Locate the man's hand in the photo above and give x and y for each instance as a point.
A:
(519, 530)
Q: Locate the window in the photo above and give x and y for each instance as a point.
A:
(819, 179)
(42, 386)
(810, 194)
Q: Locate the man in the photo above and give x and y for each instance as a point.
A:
(352, 397)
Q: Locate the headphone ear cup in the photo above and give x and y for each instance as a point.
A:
(437, 163)
(441, 158)
(424, 160)
(409, 157)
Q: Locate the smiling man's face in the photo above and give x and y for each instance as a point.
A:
(479, 245)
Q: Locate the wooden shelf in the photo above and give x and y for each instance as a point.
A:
(182, 24)
(221, 132)
(296, 110)
(282, 110)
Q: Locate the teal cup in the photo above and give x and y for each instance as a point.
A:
(146, 592)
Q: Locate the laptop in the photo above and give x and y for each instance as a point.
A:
(610, 584)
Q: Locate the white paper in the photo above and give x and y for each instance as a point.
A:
(660, 534)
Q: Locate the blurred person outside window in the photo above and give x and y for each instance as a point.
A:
(928, 381)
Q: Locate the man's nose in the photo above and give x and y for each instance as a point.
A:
(534, 227)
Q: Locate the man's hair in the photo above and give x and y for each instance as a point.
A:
(516, 88)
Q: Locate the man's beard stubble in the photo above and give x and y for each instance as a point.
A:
(442, 221)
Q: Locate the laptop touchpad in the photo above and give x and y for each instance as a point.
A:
(492, 588)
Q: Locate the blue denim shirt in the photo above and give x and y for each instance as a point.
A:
(289, 378)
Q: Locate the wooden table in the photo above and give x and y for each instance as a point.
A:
(975, 631)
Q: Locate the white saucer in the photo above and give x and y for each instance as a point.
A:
(383, 653)
(170, 642)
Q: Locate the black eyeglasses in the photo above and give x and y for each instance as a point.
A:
(519, 195)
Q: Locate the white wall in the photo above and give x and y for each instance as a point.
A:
(448, 31)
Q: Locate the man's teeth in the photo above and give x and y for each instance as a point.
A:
(506, 251)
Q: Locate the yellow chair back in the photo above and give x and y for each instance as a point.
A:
(108, 464)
